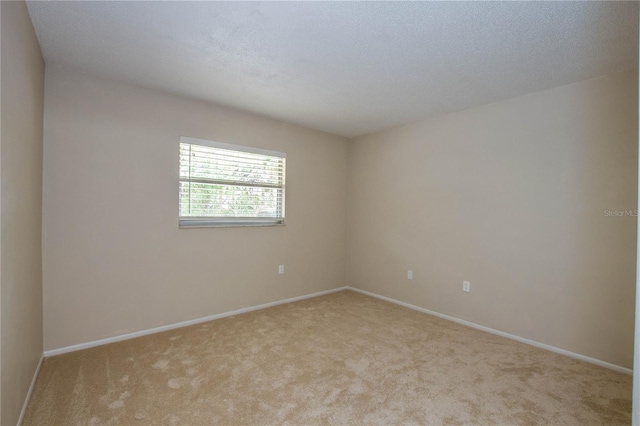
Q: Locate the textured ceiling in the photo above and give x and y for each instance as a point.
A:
(347, 68)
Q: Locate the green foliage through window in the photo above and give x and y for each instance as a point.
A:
(222, 182)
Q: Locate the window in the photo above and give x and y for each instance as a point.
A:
(230, 185)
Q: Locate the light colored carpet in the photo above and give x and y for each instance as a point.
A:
(344, 358)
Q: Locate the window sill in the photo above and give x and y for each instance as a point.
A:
(226, 223)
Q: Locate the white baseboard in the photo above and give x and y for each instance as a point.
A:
(550, 348)
(154, 330)
(30, 391)
(181, 324)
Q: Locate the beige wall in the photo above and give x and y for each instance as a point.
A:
(512, 197)
(114, 259)
(21, 199)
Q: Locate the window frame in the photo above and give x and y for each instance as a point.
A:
(231, 221)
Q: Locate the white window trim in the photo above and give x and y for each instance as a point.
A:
(215, 222)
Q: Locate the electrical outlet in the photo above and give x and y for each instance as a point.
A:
(466, 286)
(409, 275)
(280, 269)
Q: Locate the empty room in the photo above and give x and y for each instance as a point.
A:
(302, 213)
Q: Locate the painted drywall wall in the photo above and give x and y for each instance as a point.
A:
(22, 99)
(532, 200)
(114, 260)
(635, 414)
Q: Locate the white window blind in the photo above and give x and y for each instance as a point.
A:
(230, 185)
